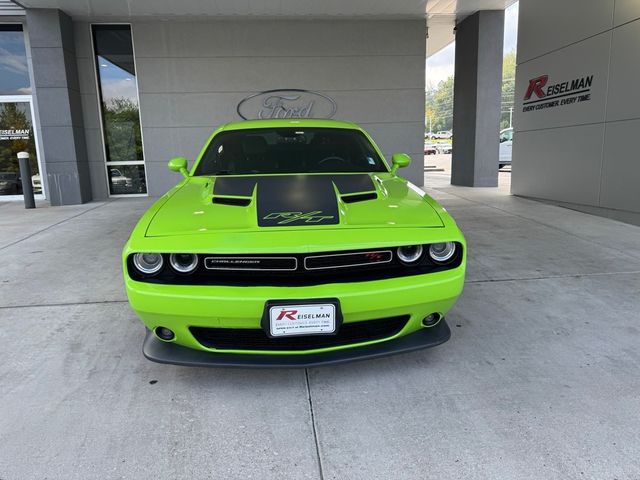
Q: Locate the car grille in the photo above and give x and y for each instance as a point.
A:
(257, 339)
(296, 270)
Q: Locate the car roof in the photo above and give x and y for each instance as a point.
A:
(289, 122)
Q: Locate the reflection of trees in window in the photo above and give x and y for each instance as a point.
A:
(122, 125)
(14, 72)
(14, 116)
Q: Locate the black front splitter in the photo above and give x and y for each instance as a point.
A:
(162, 352)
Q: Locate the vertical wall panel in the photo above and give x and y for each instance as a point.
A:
(547, 25)
(582, 154)
(191, 75)
(626, 10)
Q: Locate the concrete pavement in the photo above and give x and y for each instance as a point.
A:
(539, 380)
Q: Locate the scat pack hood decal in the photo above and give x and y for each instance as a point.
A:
(286, 200)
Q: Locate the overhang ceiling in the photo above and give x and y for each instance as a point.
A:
(441, 15)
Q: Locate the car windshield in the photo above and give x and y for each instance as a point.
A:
(289, 150)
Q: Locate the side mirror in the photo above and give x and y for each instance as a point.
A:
(179, 164)
(399, 160)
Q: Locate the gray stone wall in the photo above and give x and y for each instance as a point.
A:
(583, 153)
(191, 76)
(56, 95)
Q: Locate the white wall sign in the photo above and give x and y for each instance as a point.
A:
(14, 134)
(286, 103)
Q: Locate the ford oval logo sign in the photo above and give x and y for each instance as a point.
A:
(286, 103)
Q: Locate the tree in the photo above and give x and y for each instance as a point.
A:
(508, 87)
(122, 125)
(439, 105)
(439, 100)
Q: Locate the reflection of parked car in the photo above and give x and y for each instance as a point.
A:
(118, 180)
(446, 134)
(10, 183)
(506, 145)
(36, 183)
(430, 149)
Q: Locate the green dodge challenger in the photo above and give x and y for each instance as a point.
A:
(292, 243)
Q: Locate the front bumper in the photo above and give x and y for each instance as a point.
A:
(162, 352)
(180, 308)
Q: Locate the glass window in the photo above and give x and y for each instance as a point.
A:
(125, 179)
(289, 150)
(16, 135)
(120, 108)
(14, 71)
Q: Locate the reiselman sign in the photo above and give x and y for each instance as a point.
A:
(15, 134)
(286, 103)
(539, 95)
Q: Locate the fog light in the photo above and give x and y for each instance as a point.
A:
(148, 263)
(183, 262)
(431, 319)
(442, 252)
(165, 334)
(410, 253)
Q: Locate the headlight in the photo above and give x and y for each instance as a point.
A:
(410, 253)
(148, 263)
(183, 262)
(442, 252)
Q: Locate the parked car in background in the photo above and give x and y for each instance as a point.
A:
(443, 134)
(506, 144)
(10, 183)
(445, 148)
(430, 149)
(36, 183)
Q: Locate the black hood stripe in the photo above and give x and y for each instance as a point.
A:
(296, 200)
(287, 200)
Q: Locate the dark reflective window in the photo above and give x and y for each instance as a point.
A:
(289, 150)
(126, 179)
(14, 72)
(16, 135)
(120, 108)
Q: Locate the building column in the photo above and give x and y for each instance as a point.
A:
(476, 101)
(56, 94)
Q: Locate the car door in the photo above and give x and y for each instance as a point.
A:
(506, 145)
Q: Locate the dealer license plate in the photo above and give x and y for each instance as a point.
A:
(289, 320)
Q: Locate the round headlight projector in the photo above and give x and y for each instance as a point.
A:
(442, 252)
(183, 262)
(148, 263)
(410, 253)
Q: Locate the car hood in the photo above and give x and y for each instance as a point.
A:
(205, 205)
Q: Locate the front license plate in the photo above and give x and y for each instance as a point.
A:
(289, 320)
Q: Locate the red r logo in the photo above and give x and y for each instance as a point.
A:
(535, 86)
(288, 314)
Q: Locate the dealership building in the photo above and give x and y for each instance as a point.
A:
(103, 94)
